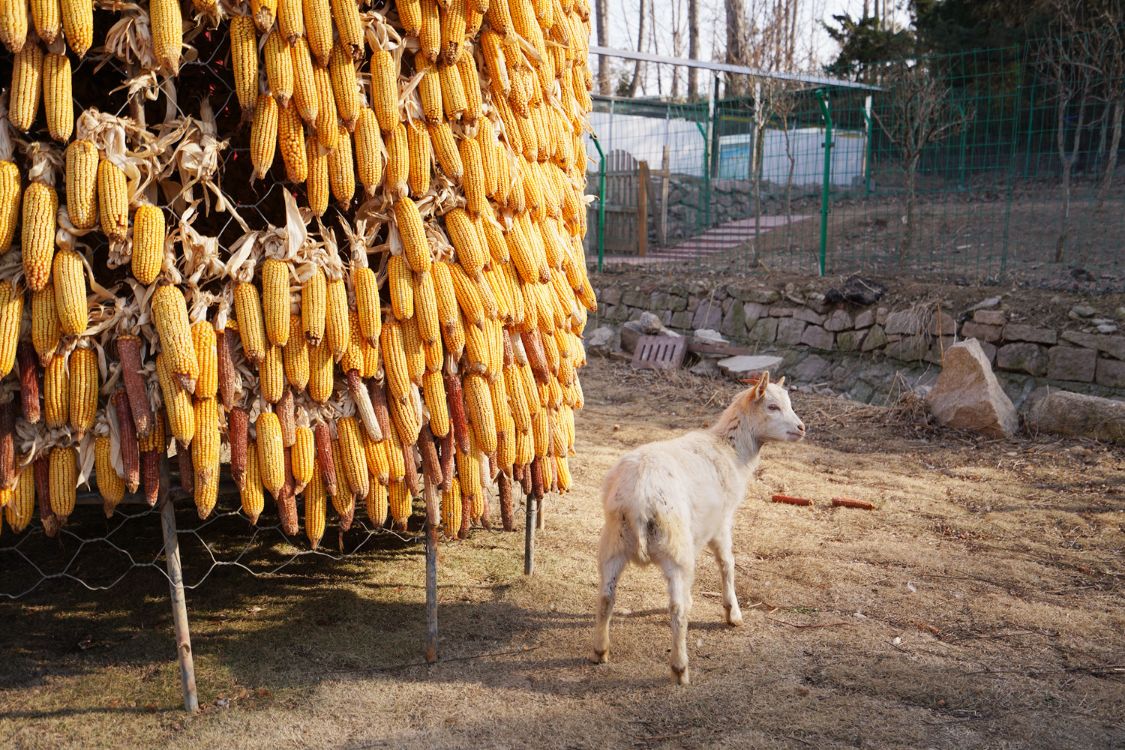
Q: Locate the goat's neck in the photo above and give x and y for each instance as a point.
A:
(745, 444)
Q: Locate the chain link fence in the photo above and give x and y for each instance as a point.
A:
(981, 165)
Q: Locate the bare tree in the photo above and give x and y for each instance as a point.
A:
(739, 45)
(921, 112)
(782, 105)
(638, 66)
(1109, 52)
(601, 11)
(693, 48)
(1063, 59)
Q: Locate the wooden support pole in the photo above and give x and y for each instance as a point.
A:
(176, 589)
(529, 536)
(642, 209)
(433, 521)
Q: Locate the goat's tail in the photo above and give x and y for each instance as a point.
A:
(625, 515)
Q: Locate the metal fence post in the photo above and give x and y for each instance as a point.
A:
(825, 111)
(601, 201)
(867, 121)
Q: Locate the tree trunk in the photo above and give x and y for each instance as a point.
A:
(1068, 161)
(693, 48)
(602, 13)
(737, 41)
(1114, 146)
(911, 199)
(638, 66)
(789, 188)
(756, 165)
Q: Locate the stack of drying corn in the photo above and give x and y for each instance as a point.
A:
(404, 315)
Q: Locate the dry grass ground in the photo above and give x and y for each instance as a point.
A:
(979, 606)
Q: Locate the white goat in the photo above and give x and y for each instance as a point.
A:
(665, 501)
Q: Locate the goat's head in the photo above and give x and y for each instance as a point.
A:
(768, 408)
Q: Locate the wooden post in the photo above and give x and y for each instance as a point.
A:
(665, 178)
(176, 588)
(642, 209)
(433, 521)
(529, 536)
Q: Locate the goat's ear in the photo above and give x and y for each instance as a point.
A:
(759, 388)
(782, 381)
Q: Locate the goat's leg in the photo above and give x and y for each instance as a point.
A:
(722, 547)
(680, 578)
(611, 564)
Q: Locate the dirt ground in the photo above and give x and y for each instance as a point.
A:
(979, 606)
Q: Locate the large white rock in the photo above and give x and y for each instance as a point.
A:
(967, 395)
(1066, 413)
(745, 365)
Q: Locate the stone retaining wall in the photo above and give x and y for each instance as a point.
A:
(786, 320)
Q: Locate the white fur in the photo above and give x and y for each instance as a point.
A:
(664, 502)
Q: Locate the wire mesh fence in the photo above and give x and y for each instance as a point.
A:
(979, 165)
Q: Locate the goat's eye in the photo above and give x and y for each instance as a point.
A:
(775, 407)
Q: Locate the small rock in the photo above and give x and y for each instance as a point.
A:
(991, 317)
(813, 370)
(601, 340)
(967, 395)
(706, 334)
(865, 319)
(1081, 311)
(1021, 332)
(789, 331)
(650, 324)
(818, 338)
(857, 290)
(973, 330)
(1107, 328)
(985, 304)
(706, 368)
(745, 365)
(1071, 363)
(1066, 413)
(1120, 313)
(839, 320)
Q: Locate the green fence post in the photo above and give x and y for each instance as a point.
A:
(822, 99)
(867, 121)
(705, 193)
(601, 201)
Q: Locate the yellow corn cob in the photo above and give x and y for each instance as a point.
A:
(45, 15)
(376, 503)
(27, 75)
(421, 158)
(368, 154)
(366, 286)
(167, 27)
(56, 393)
(316, 182)
(398, 162)
(244, 61)
(58, 99)
(272, 382)
(296, 356)
(291, 141)
(290, 20)
(429, 36)
(83, 387)
(304, 81)
(433, 393)
(169, 311)
(473, 180)
(40, 203)
(63, 475)
(275, 300)
(303, 456)
(263, 135)
(177, 402)
(271, 452)
(148, 242)
(349, 27)
(354, 459)
(370, 359)
(429, 89)
(453, 98)
(476, 350)
(10, 190)
(470, 295)
(279, 68)
(410, 15)
(318, 29)
(113, 201)
(445, 149)
(327, 119)
(205, 444)
(316, 509)
(396, 461)
(435, 354)
(394, 359)
(400, 284)
(14, 25)
(341, 169)
(321, 382)
(479, 411)
(11, 313)
(353, 355)
(70, 292)
(425, 308)
(412, 348)
(21, 505)
(466, 240)
(399, 500)
(452, 31)
(78, 25)
(469, 475)
(470, 85)
(264, 12)
(156, 440)
(443, 291)
(314, 296)
(384, 89)
(474, 17)
(453, 336)
(499, 16)
(253, 500)
(451, 508)
(541, 432)
(337, 330)
(111, 486)
(378, 465)
(492, 50)
(415, 246)
(345, 86)
(251, 327)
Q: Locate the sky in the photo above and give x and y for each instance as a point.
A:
(813, 41)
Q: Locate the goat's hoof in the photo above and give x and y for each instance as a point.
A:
(734, 617)
(681, 676)
(600, 657)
